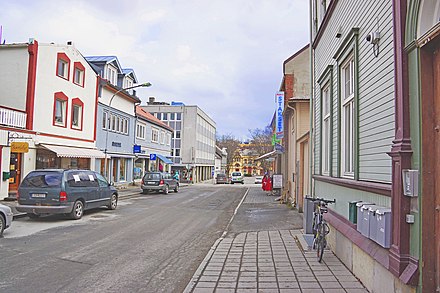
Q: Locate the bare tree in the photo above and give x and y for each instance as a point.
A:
(231, 144)
(261, 141)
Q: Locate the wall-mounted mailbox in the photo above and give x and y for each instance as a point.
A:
(363, 225)
(372, 213)
(6, 176)
(410, 181)
(383, 229)
(352, 211)
(359, 216)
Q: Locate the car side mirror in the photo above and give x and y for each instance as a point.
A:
(111, 184)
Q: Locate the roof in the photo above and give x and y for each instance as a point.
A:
(130, 71)
(104, 59)
(147, 116)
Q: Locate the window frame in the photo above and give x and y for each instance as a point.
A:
(62, 57)
(76, 102)
(154, 135)
(60, 96)
(326, 129)
(349, 49)
(140, 130)
(78, 67)
(347, 123)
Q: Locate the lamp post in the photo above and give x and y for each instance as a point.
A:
(145, 84)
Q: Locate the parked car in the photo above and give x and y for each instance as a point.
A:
(159, 182)
(64, 191)
(258, 179)
(221, 179)
(237, 177)
(5, 218)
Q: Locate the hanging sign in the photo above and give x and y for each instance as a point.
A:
(19, 147)
(279, 123)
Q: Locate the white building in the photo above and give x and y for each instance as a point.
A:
(193, 142)
(48, 110)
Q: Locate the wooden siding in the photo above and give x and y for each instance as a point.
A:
(375, 86)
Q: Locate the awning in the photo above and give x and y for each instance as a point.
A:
(271, 154)
(164, 159)
(72, 152)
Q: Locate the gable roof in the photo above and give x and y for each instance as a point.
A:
(147, 116)
(105, 60)
(130, 71)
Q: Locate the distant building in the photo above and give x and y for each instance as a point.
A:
(193, 141)
(153, 138)
(221, 157)
(244, 161)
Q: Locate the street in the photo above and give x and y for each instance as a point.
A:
(150, 243)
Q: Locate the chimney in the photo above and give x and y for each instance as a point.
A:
(151, 100)
(69, 43)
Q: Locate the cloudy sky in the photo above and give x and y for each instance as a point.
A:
(225, 56)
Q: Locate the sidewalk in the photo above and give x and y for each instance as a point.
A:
(270, 261)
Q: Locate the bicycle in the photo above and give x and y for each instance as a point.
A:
(319, 225)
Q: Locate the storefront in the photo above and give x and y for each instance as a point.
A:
(63, 157)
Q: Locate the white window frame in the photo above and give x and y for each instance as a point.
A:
(104, 120)
(79, 118)
(347, 118)
(155, 135)
(60, 120)
(140, 130)
(63, 71)
(78, 76)
(326, 124)
(162, 137)
(168, 138)
(111, 74)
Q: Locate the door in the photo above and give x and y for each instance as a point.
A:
(430, 172)
(15, 172)
(436, 140)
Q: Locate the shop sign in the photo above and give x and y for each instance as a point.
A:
(279, 123)
(19, 147)
(152, 157)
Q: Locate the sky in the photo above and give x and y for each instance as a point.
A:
(224, 56)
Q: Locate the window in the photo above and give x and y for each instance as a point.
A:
(164, 116)
(78, 74)
(168, 138)
(111, 75)
(162, 137)
(326, 130)
(122, 170)
(63, 65)
(172, 115)
(178, 116)
(104, 120)
(347, 121)
(140, 131)
(77, 114)
(177, 153)
(60, 110)
(155, 135)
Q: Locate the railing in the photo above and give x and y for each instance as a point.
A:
(12, 118)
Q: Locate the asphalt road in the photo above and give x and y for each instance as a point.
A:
(150, 243)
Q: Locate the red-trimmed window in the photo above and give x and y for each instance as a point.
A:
(78, 74)
(63, 66)
(60, 110)
(77, 114)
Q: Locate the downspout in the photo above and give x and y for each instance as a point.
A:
(311, 154)
(295, 183)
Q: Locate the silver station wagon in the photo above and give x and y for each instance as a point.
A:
(59, 191)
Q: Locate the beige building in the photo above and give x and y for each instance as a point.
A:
(295, 159)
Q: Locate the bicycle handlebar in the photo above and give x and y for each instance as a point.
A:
(314, 199)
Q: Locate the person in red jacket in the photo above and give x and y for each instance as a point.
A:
(267, 183)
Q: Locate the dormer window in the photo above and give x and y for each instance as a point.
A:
(111, 75)
(78, 74)
(63, 66)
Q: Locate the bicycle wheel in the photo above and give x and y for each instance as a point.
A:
(321, 243)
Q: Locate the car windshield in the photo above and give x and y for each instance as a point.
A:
(42, 179)
(152, 176)
(221, 176)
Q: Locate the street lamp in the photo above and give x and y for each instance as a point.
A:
(145, 84)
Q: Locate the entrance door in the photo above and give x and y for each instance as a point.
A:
(430, 176)
(436, 140)
(14, 171)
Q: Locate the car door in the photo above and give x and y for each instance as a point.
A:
(104, 189)
(84, 185)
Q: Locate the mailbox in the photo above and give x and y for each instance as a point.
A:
(6, 176)
(372, 221)
(359, 216)
(383, 229)
(352, 211)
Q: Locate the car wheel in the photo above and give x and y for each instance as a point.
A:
(113, 202)
(2, 224)
(33, 216)
(77, 211)
(165, 190)
(176, 189)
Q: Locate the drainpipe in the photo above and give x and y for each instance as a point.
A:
(295, 201)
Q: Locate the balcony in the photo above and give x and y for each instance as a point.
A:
(11, 118)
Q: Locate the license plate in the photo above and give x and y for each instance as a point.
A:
(151, 183)
(38, 195)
